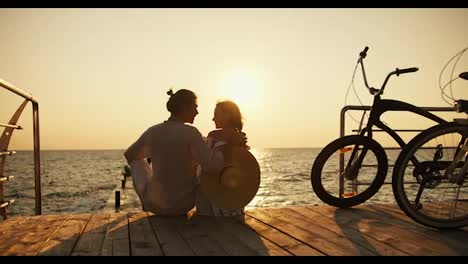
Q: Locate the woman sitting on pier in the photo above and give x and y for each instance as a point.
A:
(227, 193)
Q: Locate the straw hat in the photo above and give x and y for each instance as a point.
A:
(238, 182)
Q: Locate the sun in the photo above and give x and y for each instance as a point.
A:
(243, 88)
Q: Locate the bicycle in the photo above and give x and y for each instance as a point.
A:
(360, 150)
(434, 192)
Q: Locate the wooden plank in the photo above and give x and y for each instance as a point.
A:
(387, 231)
(404, 220)
(43, 228)
(9, 222)
(371, 225)
(272, 249)
(230, 244)
(396, 212)
(437, 210)
(64, 240)
(315, 236)
(20, 234)
(461, 207)
(196, 236)
(170, 239)
(393, 207)
(286, 228)
(319, 228)
(356, 236)
(283, 240)
(91, 240)
(14, 233)
(116, 241)
(252, 239)
(143, 241)
(457, 239)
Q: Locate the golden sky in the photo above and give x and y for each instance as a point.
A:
(101, 75)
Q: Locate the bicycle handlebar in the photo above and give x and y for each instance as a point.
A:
(374, 91)
(363, 53)
(408, 70)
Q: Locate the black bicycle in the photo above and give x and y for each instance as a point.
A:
(363, 159)
(434, 191)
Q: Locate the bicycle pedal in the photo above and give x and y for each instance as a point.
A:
(349, 194)
(344, 150)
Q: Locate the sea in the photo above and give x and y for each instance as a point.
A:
(83, 181)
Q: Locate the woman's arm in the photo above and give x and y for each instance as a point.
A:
(203, 155)
(230, 136)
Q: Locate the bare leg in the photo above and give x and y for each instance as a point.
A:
(141, 175)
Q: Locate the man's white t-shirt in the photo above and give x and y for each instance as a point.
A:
(168, 187)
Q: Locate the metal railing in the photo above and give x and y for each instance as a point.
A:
(4, 141)
(367, 108)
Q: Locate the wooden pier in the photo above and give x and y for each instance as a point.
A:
(302, 231)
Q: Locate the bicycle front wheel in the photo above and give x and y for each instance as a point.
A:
(349, 171)
(423, 190)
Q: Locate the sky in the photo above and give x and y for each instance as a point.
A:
(101, 75)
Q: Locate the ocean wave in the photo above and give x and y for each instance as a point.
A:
(19, 195)
(64, 194)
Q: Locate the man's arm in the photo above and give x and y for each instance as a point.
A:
(139, 149)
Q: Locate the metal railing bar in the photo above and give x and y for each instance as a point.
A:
(4, 153)
(361, 183)
(37, 160)
(7, 203)
(7, 178)
(375, 165)
(386, 183)
(427, 108)
(396, 130)
(17, 90)
(415, 182)
(12, 126)
(398, 148)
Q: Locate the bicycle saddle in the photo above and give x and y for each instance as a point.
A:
(461, 106)
(464, 75)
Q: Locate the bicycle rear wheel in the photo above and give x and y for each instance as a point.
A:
(340, 188)
(423, 190)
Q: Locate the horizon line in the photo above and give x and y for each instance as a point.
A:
(125, 148)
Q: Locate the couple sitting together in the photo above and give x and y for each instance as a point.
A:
(218, 176)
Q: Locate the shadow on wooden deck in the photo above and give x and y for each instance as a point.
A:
(130, 234)
(296, 230)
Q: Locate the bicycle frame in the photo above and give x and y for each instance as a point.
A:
(380, 106)
(460, 153)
